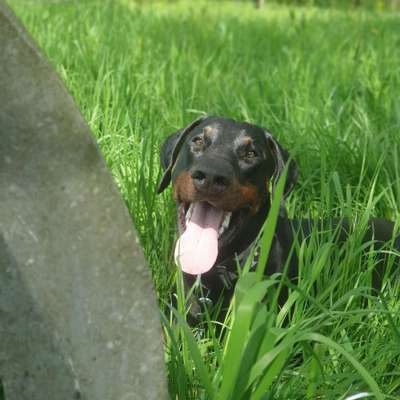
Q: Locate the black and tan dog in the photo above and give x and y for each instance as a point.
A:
(222, 172)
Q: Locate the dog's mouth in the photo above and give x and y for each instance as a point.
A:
(204, 230)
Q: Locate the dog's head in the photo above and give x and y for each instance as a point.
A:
(222, 172)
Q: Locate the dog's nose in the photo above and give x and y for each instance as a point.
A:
(204, 180)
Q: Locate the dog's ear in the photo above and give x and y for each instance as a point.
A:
(170, 150)
(282, 157)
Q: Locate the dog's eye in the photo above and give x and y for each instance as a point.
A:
(198, 141)
(251, 154)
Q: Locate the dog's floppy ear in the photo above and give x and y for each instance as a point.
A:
(170, 150)
(282, 157)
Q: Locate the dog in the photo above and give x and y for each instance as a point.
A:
(224, 174)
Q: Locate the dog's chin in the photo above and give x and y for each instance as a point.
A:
(229, 228)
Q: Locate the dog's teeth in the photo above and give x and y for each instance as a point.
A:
(189, 213)
(227, 220)
(225, 223)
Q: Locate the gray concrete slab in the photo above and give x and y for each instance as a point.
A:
(78, 315)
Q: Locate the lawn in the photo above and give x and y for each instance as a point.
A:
(327, 83)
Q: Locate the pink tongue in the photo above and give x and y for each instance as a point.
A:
(197, 248)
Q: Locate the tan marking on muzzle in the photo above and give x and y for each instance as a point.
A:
(183, 188)
(237, 196)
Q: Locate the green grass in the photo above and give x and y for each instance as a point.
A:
(326, 83)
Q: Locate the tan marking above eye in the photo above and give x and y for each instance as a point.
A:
(207, 130)
(210, 131)
(247, 141)
(243, 141)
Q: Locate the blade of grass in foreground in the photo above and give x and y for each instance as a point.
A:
(268, 228)
(368, 379)
(201, 369)
(238, 336)
(246, 307)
